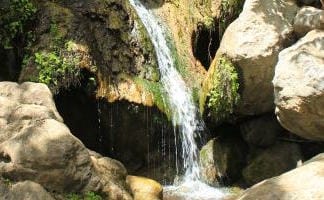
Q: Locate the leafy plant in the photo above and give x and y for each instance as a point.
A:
(13, 19)
(224, 95)
(57, 70)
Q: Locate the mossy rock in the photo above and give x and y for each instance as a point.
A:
(220, 92)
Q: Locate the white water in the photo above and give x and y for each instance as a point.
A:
(184, 112)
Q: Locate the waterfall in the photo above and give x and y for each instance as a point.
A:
(184, 112)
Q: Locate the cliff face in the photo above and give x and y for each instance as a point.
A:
(104, 38)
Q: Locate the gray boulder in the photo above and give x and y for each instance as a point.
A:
(299, 87)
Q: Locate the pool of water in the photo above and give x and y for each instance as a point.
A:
(195, 190)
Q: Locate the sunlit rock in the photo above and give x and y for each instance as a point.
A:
(304, 183)
(307, 19)
(252, 42)
(299, 87)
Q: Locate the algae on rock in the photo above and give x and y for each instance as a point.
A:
(220, 94)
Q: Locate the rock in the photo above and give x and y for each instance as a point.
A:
(26, 190)
(113, 175)
(105, 39)
(35, 145)
(29, 190)
(261, 131)
(144, 188)
(271, 162)
(299, 87)
(252, 42)
(222, 159)
(303, 183)
(307, 19)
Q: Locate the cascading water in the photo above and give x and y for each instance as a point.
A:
(180, 98)
(184, 112)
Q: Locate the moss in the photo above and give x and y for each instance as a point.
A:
(223, 94)
(86, 196)
(13, 20)
(159, 95)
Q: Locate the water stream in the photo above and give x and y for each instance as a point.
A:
(184, 111)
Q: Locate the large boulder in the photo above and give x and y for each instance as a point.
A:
(304, 183)
(307, 19)
(222, 159)
(270, 162)
(299, 87)
(35, 145)
(252, 42)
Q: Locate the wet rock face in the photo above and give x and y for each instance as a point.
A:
(299, 89)
(303, 183)
(140, 137)
(104, 37)
(35, 145)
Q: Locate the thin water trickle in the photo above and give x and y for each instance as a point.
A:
(184, 113)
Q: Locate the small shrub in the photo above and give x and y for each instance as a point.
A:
(92, 196)
(57, 70)
(86, 196)
(224, 95)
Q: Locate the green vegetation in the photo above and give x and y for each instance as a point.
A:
(13, 19)
(224, 95)
(86, 196)
(230, 10)
(159, 96)
(58, 69)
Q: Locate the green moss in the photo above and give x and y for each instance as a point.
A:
(13, 20)
(159, 95)
(86, 196)
(223, 95)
